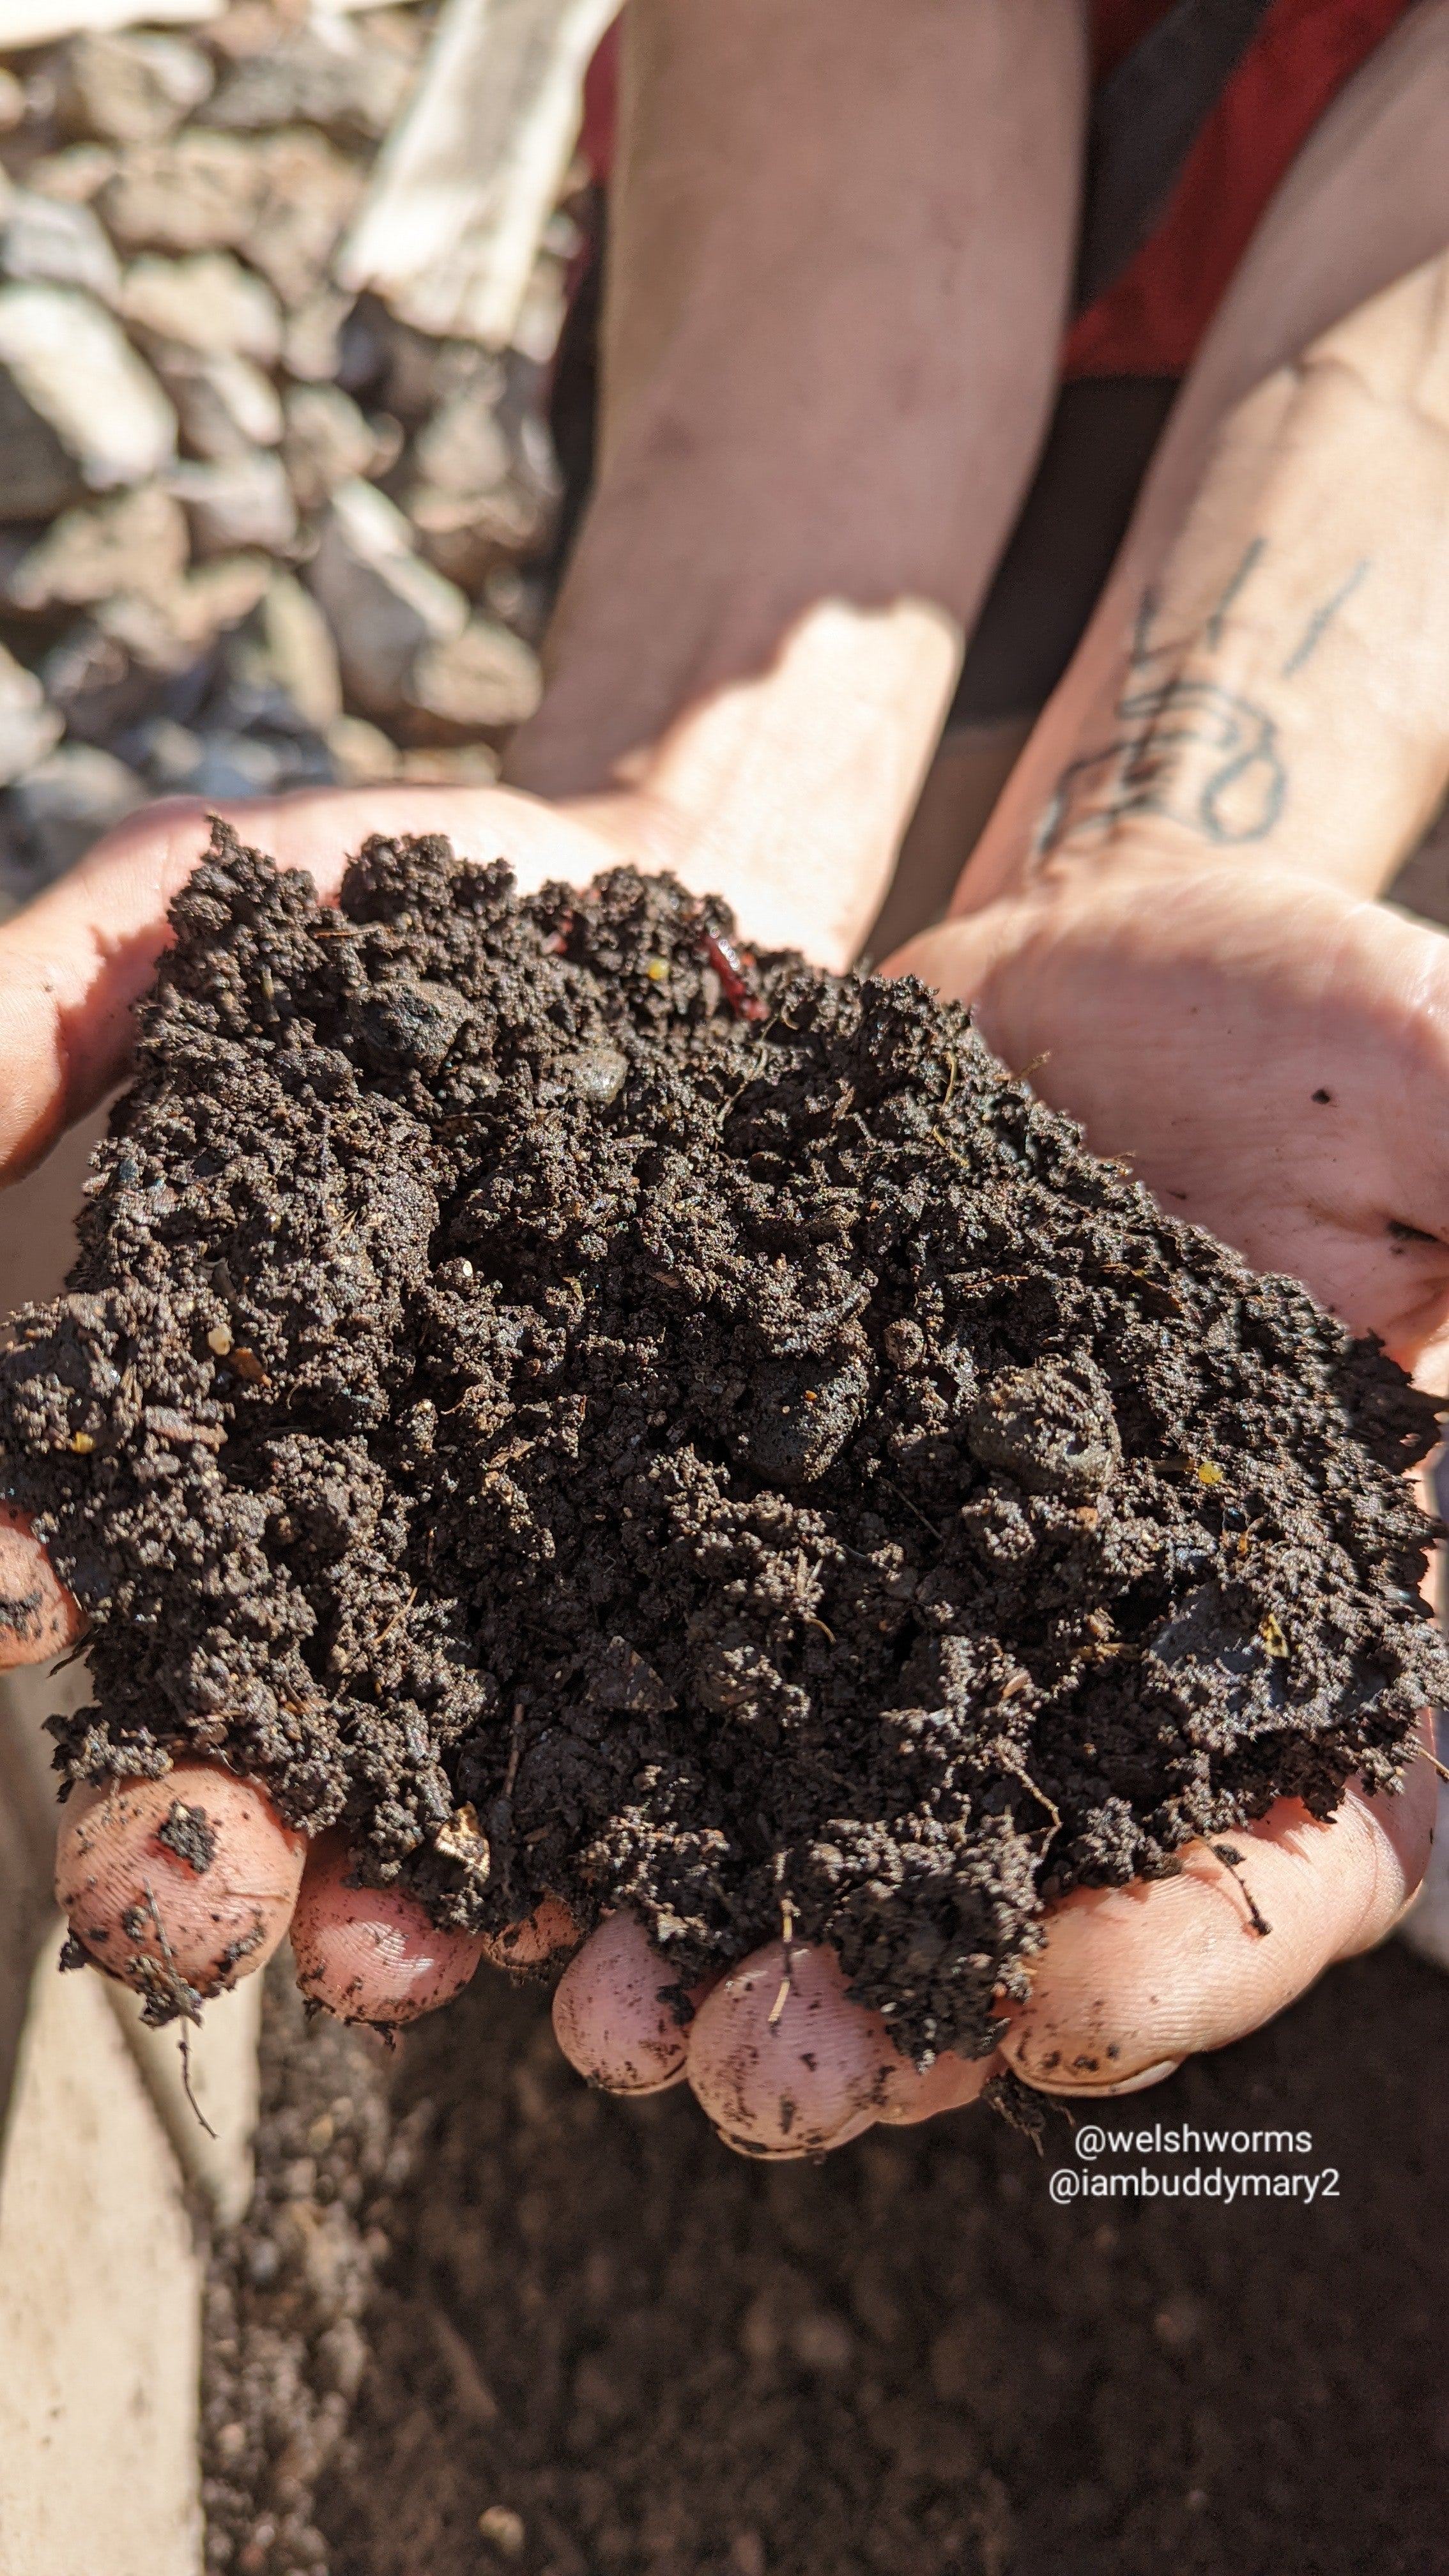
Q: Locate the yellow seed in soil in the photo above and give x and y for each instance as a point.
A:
(657, 970)
(82, 1443)
(1208, 1474)
(219, 1340)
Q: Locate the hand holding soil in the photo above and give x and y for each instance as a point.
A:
(991, 1390)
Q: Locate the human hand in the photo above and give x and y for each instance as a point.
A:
(1126, 960)
(68, 969)
(1166, 927)
(196, 1877)
(1272, 1057)
(373, 1954)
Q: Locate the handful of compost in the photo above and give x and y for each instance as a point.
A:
(604, 1420)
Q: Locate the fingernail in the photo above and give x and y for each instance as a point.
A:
(760, 2155)
(1157, 2073)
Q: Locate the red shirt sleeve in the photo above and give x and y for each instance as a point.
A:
(601, 106)
(1151, 321)
(1117, 25)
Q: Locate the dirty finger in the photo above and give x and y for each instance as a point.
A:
(616, 2012)
(1134, 1979)
(371, 1954)
(783, 2062)
(178, 1886)
(38, 1616)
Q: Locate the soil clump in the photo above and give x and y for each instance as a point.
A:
(595, 1413)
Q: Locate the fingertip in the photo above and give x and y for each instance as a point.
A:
(541, 1936)
(1400, 1829)
(1132, 1980)
(371, 1954)
(38, 1616)
(1142, 2082)
(191, 1877)
(614, 2012)
(782, 2061)
(758, 2152)
(948, 2084)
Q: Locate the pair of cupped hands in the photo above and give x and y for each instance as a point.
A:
(1272, 1054)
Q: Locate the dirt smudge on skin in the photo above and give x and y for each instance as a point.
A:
(187, 1832)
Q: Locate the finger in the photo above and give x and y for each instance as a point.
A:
(614, 2012)
(538, 1938)
(371, 1954)
(73, 962)
(947, 2085)
(1134, 1979)
(38, 1617)
(191, 1877)
(785, 2064)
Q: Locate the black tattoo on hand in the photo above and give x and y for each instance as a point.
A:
(1201, 755)
(1196, 753)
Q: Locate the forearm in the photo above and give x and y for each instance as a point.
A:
(1267, 675)
(840, 240)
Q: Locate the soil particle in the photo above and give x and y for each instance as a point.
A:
(21, 1612)
(187, 1832)
(1030, 2114)
(475, 2300)
(598, 1413)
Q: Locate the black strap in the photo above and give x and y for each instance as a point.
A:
(1146, 117)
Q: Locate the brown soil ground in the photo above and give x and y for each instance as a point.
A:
(499, 2320)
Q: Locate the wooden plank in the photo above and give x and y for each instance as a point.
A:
(450, 227)
(100, 2308)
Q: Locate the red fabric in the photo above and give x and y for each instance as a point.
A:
(1117, 25)
(601, 106)
(1151, 321)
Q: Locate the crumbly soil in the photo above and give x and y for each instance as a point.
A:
(596, 1413)
(499, 2312)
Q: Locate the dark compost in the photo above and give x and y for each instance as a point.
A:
(599, 1413)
